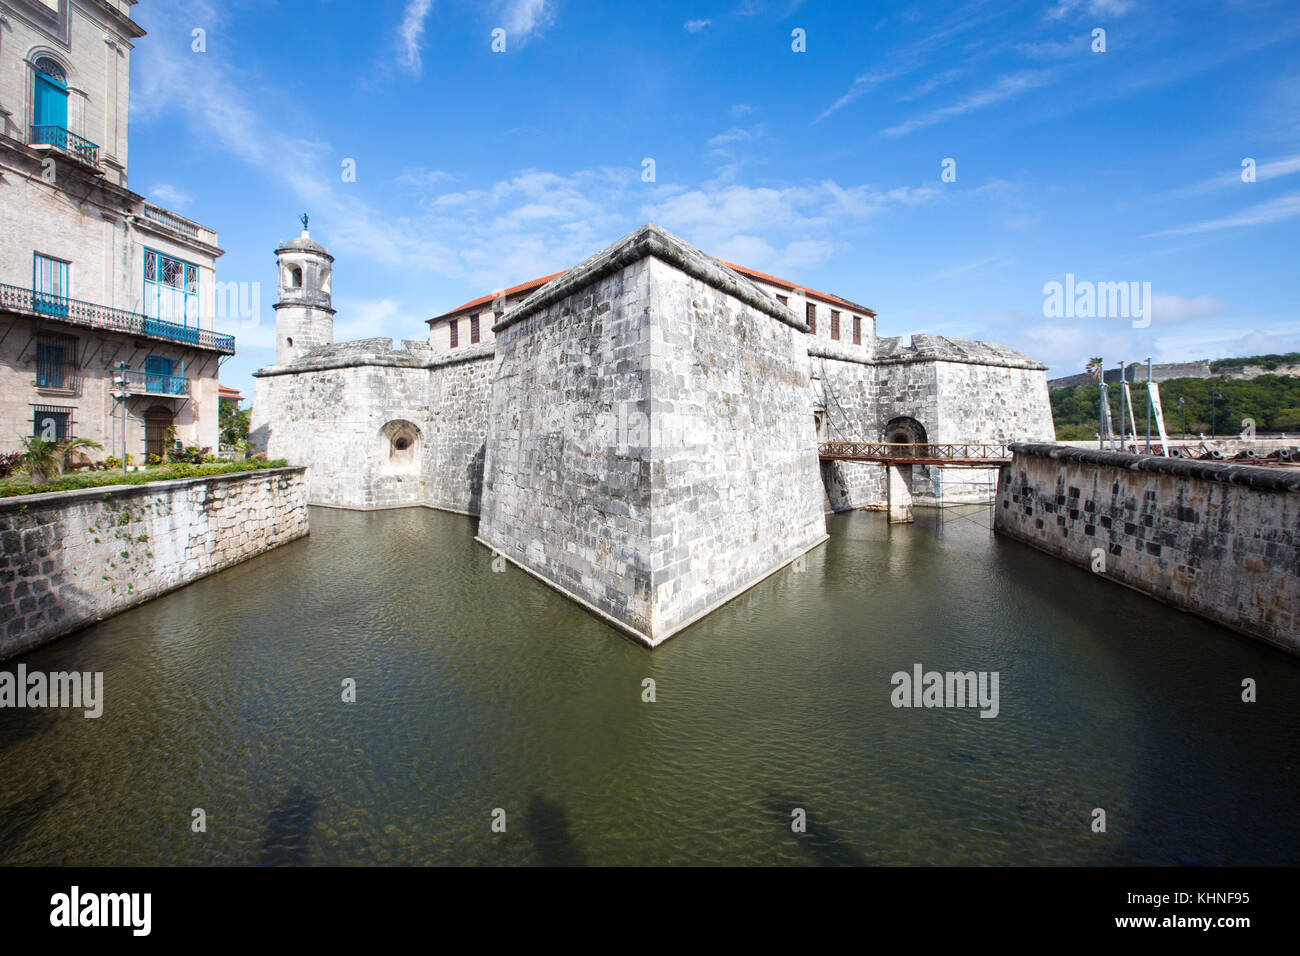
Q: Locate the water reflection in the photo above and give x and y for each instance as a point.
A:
(477, 690)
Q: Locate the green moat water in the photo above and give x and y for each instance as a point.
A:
(478, 690)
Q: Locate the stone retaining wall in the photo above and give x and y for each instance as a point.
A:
(1216, 539)
(342, 412)
(71, 558)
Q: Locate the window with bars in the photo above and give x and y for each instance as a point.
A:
(56, 361)
(473, 329)
(454, 327)
(171, 288)
(811, 311)
(835, 324)
(857, 330)
(52, 422)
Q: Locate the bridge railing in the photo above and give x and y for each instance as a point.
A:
(916, 452)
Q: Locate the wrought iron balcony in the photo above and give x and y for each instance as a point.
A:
(78, 147)
(152, 383)
(76, 312)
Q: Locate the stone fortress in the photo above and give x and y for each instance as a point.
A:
(641, 431)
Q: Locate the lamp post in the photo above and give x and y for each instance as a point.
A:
(1148, 445)
(1182, 404)
(122, 394)
(1123, 428)
(1215, 395)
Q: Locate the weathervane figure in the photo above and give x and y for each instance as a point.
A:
(304, 220)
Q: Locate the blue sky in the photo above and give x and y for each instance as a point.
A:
(478, 169)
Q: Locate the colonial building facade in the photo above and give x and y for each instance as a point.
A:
(107, 301)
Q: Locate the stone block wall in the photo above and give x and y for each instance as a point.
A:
(987, 403)
(651, 448)
(456, 433)
(69, 559)
(343, 411)
(1216, 539)
(735, 480)
(566, 487)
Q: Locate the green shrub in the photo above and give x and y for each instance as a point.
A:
(20, 485)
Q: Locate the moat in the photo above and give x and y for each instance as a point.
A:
(479, 690)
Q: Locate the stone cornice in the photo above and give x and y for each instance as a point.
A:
(1225, 472)
(650, 241)
(60, 499)
(819, 351)
(370, 359)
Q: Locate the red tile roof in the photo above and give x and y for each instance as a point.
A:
(752, 273)
(225, 391)
(786, 283)
(484, 299)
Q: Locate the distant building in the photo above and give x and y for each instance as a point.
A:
(102, 293)
(225, 392)
(1137, 373)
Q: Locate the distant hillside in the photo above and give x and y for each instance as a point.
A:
(1248, 367)
(1273, 401)
(1159, 373)
(1256, 365)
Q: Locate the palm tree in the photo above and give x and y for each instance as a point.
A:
(45, 459)
(1094, 367)
(41, 459)
(67, 446)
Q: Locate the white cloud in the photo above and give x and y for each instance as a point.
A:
(980, 265)
(523, 18)
(216, 98)
(775, 228)
(1275, 210)
(733, 135)
(416, 176)
(1170, 309)
(741, 109)
(411, 31)
(1264, 171)
(695, 26)
(374, 318)
(861, 85)
(165, 194)
(1096, 8)
(1005, 88)
(930, 85)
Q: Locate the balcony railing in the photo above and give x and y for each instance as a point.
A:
(76, 312)
(153, 383)
(186, 227)
(78, 147)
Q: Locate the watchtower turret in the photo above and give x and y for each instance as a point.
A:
(304, 318)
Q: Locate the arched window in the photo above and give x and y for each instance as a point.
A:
(49, 102)
(403, 441)
(295, 277)
(51, 69)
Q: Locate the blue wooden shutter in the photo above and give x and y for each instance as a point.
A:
(51, 103)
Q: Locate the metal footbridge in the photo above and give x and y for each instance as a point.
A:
(945, 455)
